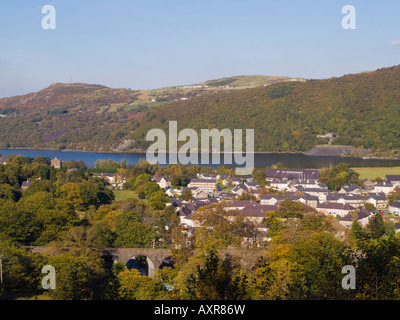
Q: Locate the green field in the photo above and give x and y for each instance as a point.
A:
(374, 172)
(122, 195)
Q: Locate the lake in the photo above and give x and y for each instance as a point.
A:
(260, 159)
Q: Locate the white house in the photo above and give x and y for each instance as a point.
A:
(395, 208)
(335, 209)
(384, 187)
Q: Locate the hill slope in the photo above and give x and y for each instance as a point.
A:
(88, 117)
(362, 109)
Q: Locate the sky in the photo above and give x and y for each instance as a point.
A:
(151, 44)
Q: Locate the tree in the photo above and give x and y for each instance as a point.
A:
(80, 273)
(158, 200)
(377, 269)
(357, 232)
(72, 193)
(134, 286)
(186, 195)
(216, 230)
(206, 278)
(134, 235)
(375, 228)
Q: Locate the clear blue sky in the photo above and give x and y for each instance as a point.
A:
(156, 43)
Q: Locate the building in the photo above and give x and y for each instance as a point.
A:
(384, 187)
(395, 208)
(306, 199)
(291, 174)
(56, 163)
(379, 200)
(335, 209)
(368, 184)
(207, 185)
(163, 182)
(393, 179)
(25, 185)
(240, 189)
(362, 214)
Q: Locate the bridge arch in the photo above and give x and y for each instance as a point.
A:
(154, 257)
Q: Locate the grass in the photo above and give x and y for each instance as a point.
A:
(25, 296)
(122, 195)
(374, 172)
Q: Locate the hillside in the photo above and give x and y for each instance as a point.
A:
(361, 109)
(87, 117)
(358, 110)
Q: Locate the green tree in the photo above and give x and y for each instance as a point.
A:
(186, 195)
(158, 200)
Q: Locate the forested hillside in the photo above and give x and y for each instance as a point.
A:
(86, 117)
(362, 109)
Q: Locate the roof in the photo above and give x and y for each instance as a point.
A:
(395, 204)
(363, 213)
(357, 197)
(392, 177)
(291, 174)
(384, 184)
(206, 181)
(240, 186)
(26, 183)
(257, 210)
(335, 205)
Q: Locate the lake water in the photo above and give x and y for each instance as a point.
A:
(260, 159)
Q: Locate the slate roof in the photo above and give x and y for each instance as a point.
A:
(291, 174)
(335, 205)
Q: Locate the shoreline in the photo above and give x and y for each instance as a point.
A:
(257, 152)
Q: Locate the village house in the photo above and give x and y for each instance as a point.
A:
(56, 163)
(116, 180)
(362, 214)
(395, 208)
(25, 185)
(306, 199)
(226, 196)
(234, 181)
(316, 192)
(291, 174)
(251, 185)
(279, 185)
(368, 184)
(384, 187)
(240, 189)
(379, 200)
(207, 185)
(163, 182)
(351, 189)
(210, 176)
(393, 179)
(335, 209)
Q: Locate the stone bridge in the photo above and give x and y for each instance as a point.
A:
(156, 257)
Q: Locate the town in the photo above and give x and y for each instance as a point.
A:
(300, 185)
(244, 195)
(145, 231)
